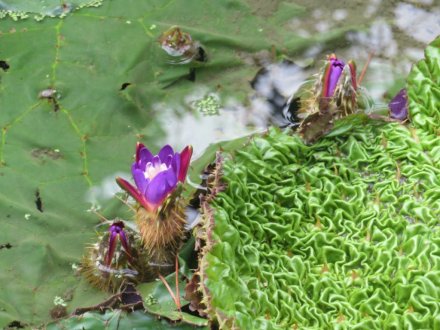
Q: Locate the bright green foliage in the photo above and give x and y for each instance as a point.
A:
(342, 234)
(87, 57)
(424, 91)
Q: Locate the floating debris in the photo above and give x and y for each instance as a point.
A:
(208, 106)
(181, 47)
(52, 96)
(58, 301)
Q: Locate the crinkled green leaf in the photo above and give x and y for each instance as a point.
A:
(342, 234)
(424, 90)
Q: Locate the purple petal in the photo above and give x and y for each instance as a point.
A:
(164, 154)
(332, 74)
(399, 106)
(156, 160)
(171, 178)
(139, 147)
(175, 164)
(145, 156)
(160, 187)
(337, 67)
(116, 227)
(111, 247)
(139, 179)
(185, 158)
(132, 191)
(124, 242)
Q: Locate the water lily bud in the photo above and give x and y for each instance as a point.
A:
(117, 257)
(116, 231)
(332, 73)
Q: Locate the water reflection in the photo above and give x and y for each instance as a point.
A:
(183, 125)
(421, 24)
(397, 33)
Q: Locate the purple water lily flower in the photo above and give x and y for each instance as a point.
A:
(157, 176)
(116, 231)
(399, 106)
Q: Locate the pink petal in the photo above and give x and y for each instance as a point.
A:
(132, 191)
(185, 158)
(139, 147)
(111, 248)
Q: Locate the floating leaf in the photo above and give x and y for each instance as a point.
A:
(339, 234)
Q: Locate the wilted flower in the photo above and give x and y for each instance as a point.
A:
(156, 177)
(399, 106)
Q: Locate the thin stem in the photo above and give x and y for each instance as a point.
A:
(126, 203)
(101, 217)
(169, 289)
(177, 284)
(364, 69)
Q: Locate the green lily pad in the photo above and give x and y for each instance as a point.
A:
(115, 320)
(342, 234)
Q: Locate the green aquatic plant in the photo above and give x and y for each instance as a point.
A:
(341, 234)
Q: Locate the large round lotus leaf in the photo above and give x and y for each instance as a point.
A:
(342, 234)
